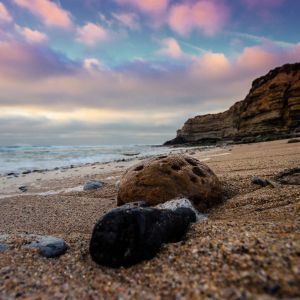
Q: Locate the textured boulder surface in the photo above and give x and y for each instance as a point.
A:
(160, 179)
(271, 110)
(128, 235)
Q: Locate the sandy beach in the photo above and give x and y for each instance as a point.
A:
(249, 248)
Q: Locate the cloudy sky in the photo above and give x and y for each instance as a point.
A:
(132, 71)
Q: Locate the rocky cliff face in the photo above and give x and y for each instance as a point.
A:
(271, 110)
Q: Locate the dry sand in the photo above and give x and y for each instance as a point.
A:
(249, 248)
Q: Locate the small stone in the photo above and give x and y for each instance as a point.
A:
(92, 185)
(49, 246)
(12, 174)
(23, 188)
(182, 203)
(259, 181)
(26, 172)
(3, 248)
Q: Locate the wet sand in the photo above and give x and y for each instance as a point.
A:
(249, 248)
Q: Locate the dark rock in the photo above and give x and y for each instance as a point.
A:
(291, 141)
(289, 176)
(126, 236)
(176, 141)
(26, 172)
(49, 246)
(92, 185)
(260, 181)
(3, 247)
(12, 174)
(23, 188)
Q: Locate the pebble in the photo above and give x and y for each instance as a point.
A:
(182, 203)
(49, 246)
(26, 172)
(3, 248)
(260, 181)
(23, 188)
(92, 185)
(12, 174)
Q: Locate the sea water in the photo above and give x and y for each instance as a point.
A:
(26, 157)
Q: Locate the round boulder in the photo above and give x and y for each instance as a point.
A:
(160, 179)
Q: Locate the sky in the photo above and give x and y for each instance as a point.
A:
(92, 72)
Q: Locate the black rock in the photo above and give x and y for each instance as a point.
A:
(49, 246)
(260, 181)
(23, 188)
(92, 185)
(12, 174)
(128, 235)
(26, 172)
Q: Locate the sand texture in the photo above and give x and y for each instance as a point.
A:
(248, 248)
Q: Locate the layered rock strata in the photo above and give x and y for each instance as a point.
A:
(271, 110)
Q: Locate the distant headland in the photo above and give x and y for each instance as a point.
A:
(270, 111)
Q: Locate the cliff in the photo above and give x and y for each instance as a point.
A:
(271, 110)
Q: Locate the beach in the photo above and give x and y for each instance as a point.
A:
(248, 248)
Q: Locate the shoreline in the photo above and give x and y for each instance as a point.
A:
(37, 181)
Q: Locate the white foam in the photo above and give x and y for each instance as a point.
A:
(78, 188)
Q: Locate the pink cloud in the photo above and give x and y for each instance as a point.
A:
(147, 6)
(24, 61)
(209, 81)
(207, 16)
(179, 19)
(260, 57)
(50, 13)
(211, 65)
(5, 16)
(91, 34)
(171, 48)
(127, 19)
(32, 36)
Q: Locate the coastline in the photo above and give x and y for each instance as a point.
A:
(249, 246)
(56, 179)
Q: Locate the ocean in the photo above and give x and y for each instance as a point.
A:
(25, 157)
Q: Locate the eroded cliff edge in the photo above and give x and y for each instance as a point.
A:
(270, 111)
